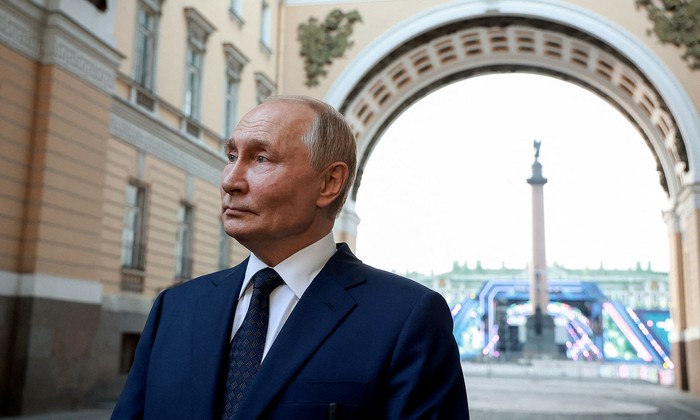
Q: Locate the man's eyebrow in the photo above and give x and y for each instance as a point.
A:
(254, 142)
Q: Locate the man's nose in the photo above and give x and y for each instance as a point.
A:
(233, 178)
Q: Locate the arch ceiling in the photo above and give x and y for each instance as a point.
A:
(396, 71)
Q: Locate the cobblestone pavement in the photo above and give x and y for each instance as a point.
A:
(548, 392)
(499, 394)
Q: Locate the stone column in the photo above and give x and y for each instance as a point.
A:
(677, 304)
(345, 229)
(540, 326)
(538, 266)
(685, 289)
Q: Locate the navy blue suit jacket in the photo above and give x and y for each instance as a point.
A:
(367, 343)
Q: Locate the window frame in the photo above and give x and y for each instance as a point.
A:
(194, 59)
(266, 26)
(184, 242)
(144, 57)
(235, 9)
(264, 87)
(133, 257)
(235, 62)
(198, 32)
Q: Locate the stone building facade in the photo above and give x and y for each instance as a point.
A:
(112, 122)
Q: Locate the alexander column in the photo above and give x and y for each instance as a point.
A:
(538, 266)
(540, 326)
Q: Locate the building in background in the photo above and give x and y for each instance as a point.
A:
(638, 288)
(113, 117)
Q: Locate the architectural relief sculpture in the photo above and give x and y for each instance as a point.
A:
(676, 22)
(321, 42)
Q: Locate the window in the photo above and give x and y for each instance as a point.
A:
(128, 351)
(144, 59)
(133, 235)
(236, 9)
(183, 243)
(101, 5)
(147, 16)
(263, 87)
(224, 249)
(193, 82)
(266, 25)
(231, 105)
(235, 61)
(198, 30)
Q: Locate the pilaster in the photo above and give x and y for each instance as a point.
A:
(346, 223)
(685, 279)
(53, 292)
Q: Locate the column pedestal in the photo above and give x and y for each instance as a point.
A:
(540, 342)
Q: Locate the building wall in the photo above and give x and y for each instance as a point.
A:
(16, 118)
(170, 63)
(689, 343)
(17, 99)
(121, 165)
(66, 177)
(57, 125)
(381, 18)
(73, 138)
(55, 340)
(377, 18)
(207, 227)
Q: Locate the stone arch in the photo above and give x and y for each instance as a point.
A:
(506, 42)
(455, 41)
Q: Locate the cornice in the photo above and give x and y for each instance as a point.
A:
(684, 336)
(688, 201)
(144, 133)
(70, 47)
(46, 286)
(19, 27)
(53, 38)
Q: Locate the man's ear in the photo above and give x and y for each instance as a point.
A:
(334, 178)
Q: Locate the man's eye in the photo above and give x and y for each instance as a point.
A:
(261, 159)
(232, 157)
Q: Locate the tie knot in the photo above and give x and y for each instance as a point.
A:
(267, 280)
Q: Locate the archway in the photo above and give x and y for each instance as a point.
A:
(446, 184)
(452, 42)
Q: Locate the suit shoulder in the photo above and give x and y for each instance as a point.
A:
(394, 281)
(200, 282)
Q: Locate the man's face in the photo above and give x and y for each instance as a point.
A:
(269, 191)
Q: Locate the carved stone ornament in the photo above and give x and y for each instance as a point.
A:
(676, 22)
(321, 42)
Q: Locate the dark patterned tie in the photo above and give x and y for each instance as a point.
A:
(249, 342)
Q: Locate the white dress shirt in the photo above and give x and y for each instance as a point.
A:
(297, 271)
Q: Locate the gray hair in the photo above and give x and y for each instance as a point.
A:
(329, 139)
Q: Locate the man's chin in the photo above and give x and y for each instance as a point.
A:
(238, 233)
(232, 229)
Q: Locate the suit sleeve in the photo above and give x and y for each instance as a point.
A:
(426, 379)
(132, 400)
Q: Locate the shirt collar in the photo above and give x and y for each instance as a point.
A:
(298, 270)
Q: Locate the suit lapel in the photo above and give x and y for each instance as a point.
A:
(322, 307)
(210, 336)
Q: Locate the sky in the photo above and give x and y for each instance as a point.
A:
(447, 181)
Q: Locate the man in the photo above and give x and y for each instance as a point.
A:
(340, 339)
